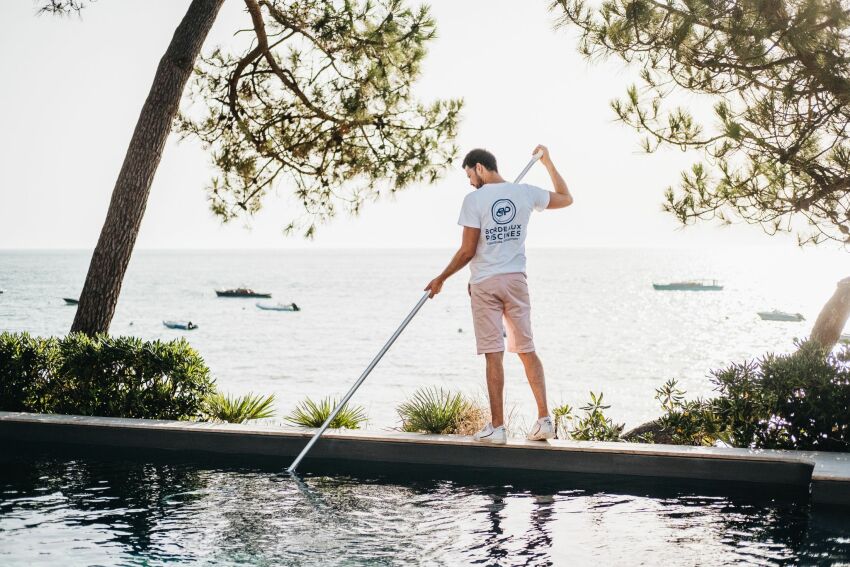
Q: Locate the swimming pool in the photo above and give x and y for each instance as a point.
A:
(143, 509)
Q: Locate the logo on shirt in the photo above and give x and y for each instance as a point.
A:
(503, 211)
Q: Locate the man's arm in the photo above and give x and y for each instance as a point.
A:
(460, 259)
(561, 197)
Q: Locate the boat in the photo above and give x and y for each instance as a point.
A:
(690, 285)
(279, 307)
(186, 326)
(71, 300)
(240, 292)
(777, 315)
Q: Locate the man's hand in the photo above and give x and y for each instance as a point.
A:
(459, 260)
(545, 157)
(435, 286)
(561, 197)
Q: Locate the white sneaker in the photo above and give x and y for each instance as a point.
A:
(543, 429)
(490, 434)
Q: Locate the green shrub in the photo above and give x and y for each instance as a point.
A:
(434, 410)
(102, 375)
(792, 401)
(592, 426)
(311, 414)
(238, 409)
(27, 366)
(795, 401)
(694, 422)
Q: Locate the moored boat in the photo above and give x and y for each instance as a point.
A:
(777, 315)
(279, 307)
(240, 292)
(183, 325)
(690, 285)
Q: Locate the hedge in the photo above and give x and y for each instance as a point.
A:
(103, 376)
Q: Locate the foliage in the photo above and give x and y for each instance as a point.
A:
(435, 410)
(61, 7)
(238, 409)
(102, 375)
(694, 422)
(592, 426)
(312, 414)
(322, 102)
(797, 401)
(476, 415)
(563, 416)
(777, 74)
(26, 371)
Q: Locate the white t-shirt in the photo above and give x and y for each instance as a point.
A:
(501, 211)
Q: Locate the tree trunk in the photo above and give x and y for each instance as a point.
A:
(130, 195)
(833, 316)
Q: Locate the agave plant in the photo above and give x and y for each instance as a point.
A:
(313, 414)
(238, 409)
(434, 410)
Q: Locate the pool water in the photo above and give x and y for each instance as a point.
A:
(67, 509)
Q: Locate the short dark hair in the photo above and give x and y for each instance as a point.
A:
(483, 157)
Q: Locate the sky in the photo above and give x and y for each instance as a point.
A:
(73, 88)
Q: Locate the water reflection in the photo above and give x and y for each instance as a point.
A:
(523, 538)
(138, 510)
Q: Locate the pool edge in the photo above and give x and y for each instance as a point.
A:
(827, 474)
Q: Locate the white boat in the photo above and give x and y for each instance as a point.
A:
(279, 307)
(184, 325)
(777, 315)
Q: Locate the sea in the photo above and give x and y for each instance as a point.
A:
(599, 325)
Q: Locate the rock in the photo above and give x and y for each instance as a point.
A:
(653, 428)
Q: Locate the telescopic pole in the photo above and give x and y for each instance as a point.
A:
(359, 382)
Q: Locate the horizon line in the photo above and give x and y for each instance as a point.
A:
(701, 246)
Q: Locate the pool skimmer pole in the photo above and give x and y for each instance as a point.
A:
(380, 355)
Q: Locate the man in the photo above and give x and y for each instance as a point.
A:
(495, 222)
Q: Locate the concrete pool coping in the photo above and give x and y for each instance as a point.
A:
(827, 474)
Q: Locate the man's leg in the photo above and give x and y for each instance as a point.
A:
(520, 337)
(487, 311)
(496, 387)
(534, 373)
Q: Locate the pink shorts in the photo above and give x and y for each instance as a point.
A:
(497, 297)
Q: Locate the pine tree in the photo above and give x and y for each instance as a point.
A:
(778, 74)
(320, 102)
